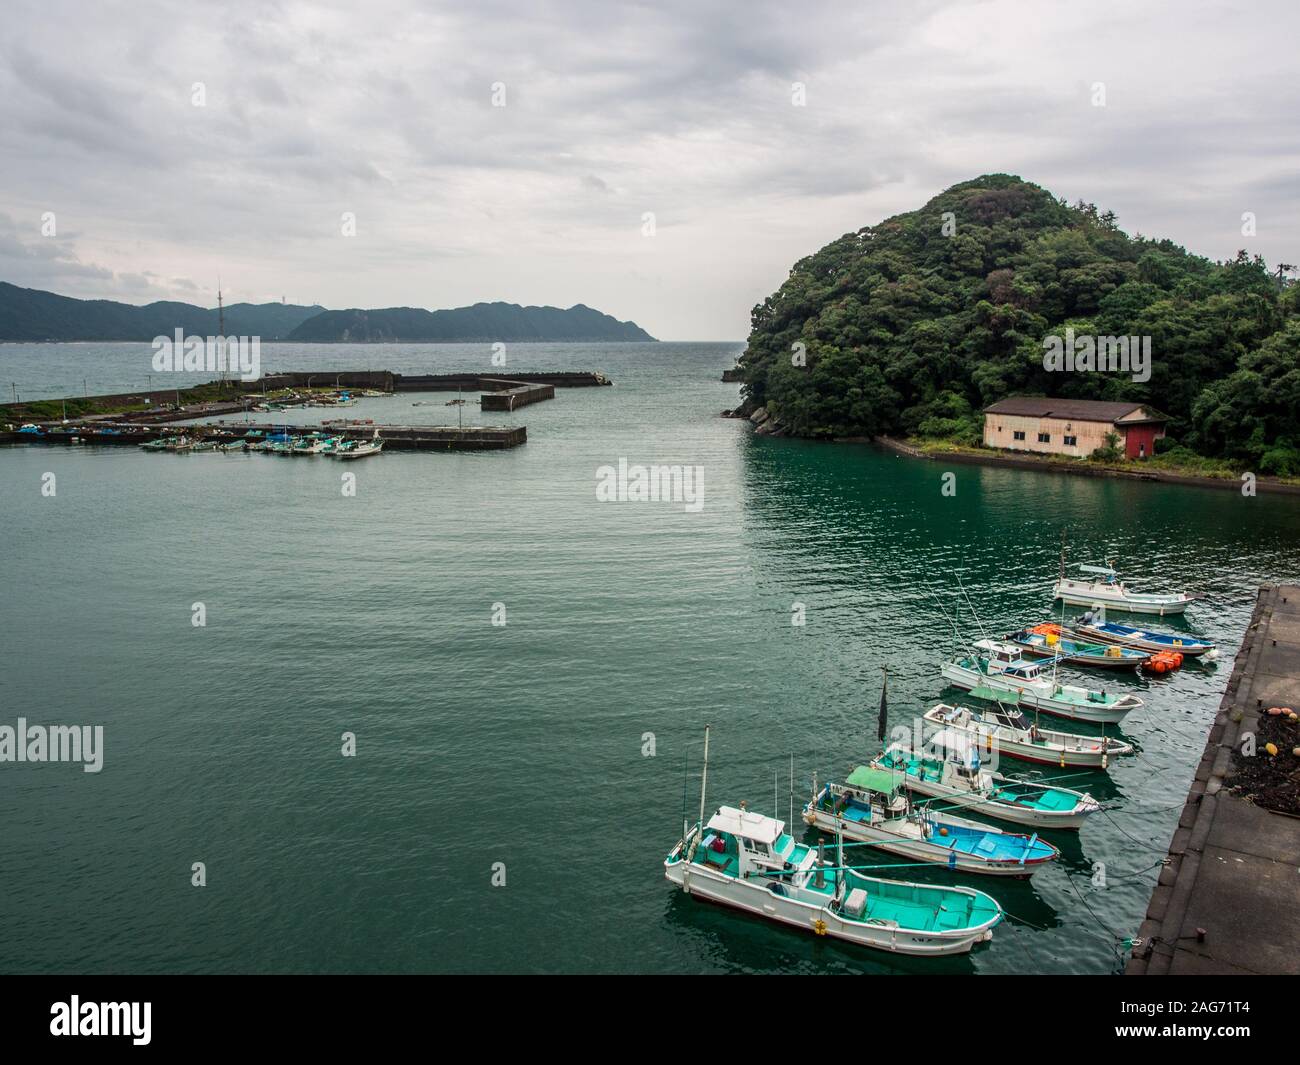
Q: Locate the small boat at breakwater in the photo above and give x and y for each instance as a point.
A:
(749, 862)
(1145, 639)
(1048, 641)
(358, 449)
(1009, 731)
(953, 771)
(872, 806)
(1000, 670)
(1106, 589)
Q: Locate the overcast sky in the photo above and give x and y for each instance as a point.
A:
(681, 109)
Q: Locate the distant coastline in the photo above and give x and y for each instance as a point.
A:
(33, 316)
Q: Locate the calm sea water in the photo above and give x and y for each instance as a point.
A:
(479, 744)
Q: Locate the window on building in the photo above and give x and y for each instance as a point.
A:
(1044, 438)
(1071, 441)
(1017, 435)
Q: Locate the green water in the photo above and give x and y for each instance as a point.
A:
(522, 744)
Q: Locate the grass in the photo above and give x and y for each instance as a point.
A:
(1178, 461)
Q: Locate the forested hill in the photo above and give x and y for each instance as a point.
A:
(481, 322)
(913, 326)
(32, 314)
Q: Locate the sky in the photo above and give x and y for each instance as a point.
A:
(665, 163)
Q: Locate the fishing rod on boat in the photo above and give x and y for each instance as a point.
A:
(973, 611)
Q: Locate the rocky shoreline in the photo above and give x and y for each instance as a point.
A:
(764, 424)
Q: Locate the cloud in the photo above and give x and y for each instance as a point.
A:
(682, 109)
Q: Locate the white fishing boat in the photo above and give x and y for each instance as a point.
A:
(1105, 588)
(873, 806)
(359, 449)
(1009, 731)
(749, 862)
(1001, 668)
(950, 768)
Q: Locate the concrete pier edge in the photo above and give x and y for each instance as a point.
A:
(1233, 868)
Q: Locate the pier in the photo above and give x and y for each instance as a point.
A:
(395, 437)
(1226, 901)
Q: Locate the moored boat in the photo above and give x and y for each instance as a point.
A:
(950, 768)
(872, 806)
(1145, 639)
(359, 449)
(1001, 668)
(1009, 731)
(1048, 641)
(1106, 589)
(749, 862)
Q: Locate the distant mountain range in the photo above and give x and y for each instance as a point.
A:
(32, 315)
(483, 321)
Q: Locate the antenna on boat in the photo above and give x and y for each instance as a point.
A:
(791, 821)
(704, 776)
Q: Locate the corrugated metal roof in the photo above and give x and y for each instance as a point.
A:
(1086, 410)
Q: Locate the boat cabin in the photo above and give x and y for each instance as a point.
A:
(1009, 659)
(738, 842)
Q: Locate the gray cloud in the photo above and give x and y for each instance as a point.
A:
(680, 109)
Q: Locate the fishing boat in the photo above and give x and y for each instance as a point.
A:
(1048, 641)
(1009, 730)
(311, 444)
(1145, 639)
(747, 861)
(157, 444)
(178, 443)
(952, 770)
(359, 449)
(872, 806)
(232, 445)
(204, 445)
(1105, 588)
(1001, 668)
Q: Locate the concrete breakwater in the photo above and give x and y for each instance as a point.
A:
(505, 391)
(395, 437)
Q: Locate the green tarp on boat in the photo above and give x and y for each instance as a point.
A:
(881, 780)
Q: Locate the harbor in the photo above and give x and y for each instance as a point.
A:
(361, 597)
(141, 417)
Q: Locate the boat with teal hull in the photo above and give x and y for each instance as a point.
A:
(950, 768)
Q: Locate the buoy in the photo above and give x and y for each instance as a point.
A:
(942, 831)
(1270, 748)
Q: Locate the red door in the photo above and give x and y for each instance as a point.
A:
(1139, 441)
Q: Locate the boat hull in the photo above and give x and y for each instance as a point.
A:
(1087, 596)
(1097, 713)
(921, 851)
(1003, 811)
(1194, 650)
(696, 880)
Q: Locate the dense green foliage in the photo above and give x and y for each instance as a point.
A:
(908, 329)
(481, 322)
